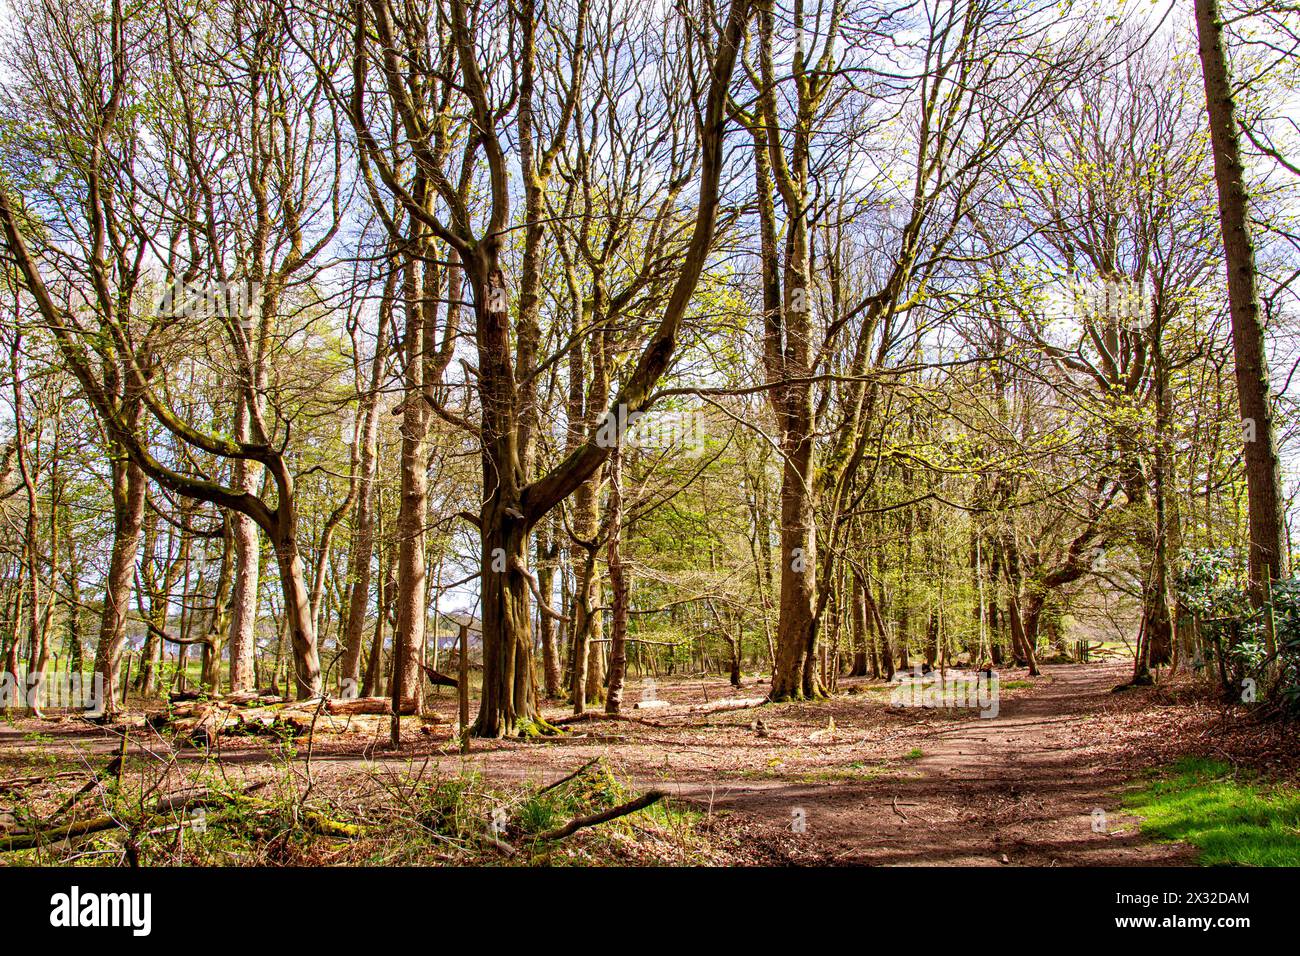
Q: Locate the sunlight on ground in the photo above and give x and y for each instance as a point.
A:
(1202, 802)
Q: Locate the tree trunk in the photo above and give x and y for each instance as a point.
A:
(297, 609)
(546, 555)
(374, 682)
(1024, 635)
(219, 622)
(795, 675)
(508, 702)
(360, 553)
(931, 652)
(1268, 554)
(248, 548)
(412, 583)
(595, 689)
(858, 617)
(584, 623)
(128, 519)
(38, 643)
(618, 591)
(76, 663)
(11, 672)
(788, 354)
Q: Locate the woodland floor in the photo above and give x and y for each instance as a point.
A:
(876, 785)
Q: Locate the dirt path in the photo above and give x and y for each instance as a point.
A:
(1019, 788)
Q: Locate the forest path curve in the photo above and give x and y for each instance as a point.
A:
(1019, 788)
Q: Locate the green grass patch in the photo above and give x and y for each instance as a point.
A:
(858, 771)
(913, 754)
(1231, 821)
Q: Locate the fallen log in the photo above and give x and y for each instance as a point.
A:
(604, 816)
(731, 703)
(201, 722)
(260, 698)
(501, 846)
(368, 705)
(174, 803)
(255, 700)
(360, 705)
(601, 715)
(565, 779)
(202, 708)
(13, 782)
(114, 768)
(316, 821)
(200, 725)
(29, 841)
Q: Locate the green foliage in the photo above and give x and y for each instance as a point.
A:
(1209, 583)
(412, 819)
(1211, 587)
(1202, 802)
(589, 792)
(1286, 625)
(448, 806)
(466, 812)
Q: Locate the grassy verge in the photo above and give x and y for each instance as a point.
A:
(1232, 821)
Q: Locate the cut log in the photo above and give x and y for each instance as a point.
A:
(368, 705)
(200, 722)
(359, 705)
(260, 701)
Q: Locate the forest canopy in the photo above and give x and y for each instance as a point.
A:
(570, 341)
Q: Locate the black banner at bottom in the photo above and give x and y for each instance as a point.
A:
(215, 908)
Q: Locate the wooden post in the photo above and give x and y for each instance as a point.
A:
(126, 676)
(463, 688)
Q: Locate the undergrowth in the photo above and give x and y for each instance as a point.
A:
(410, 817)
(1229, 818)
